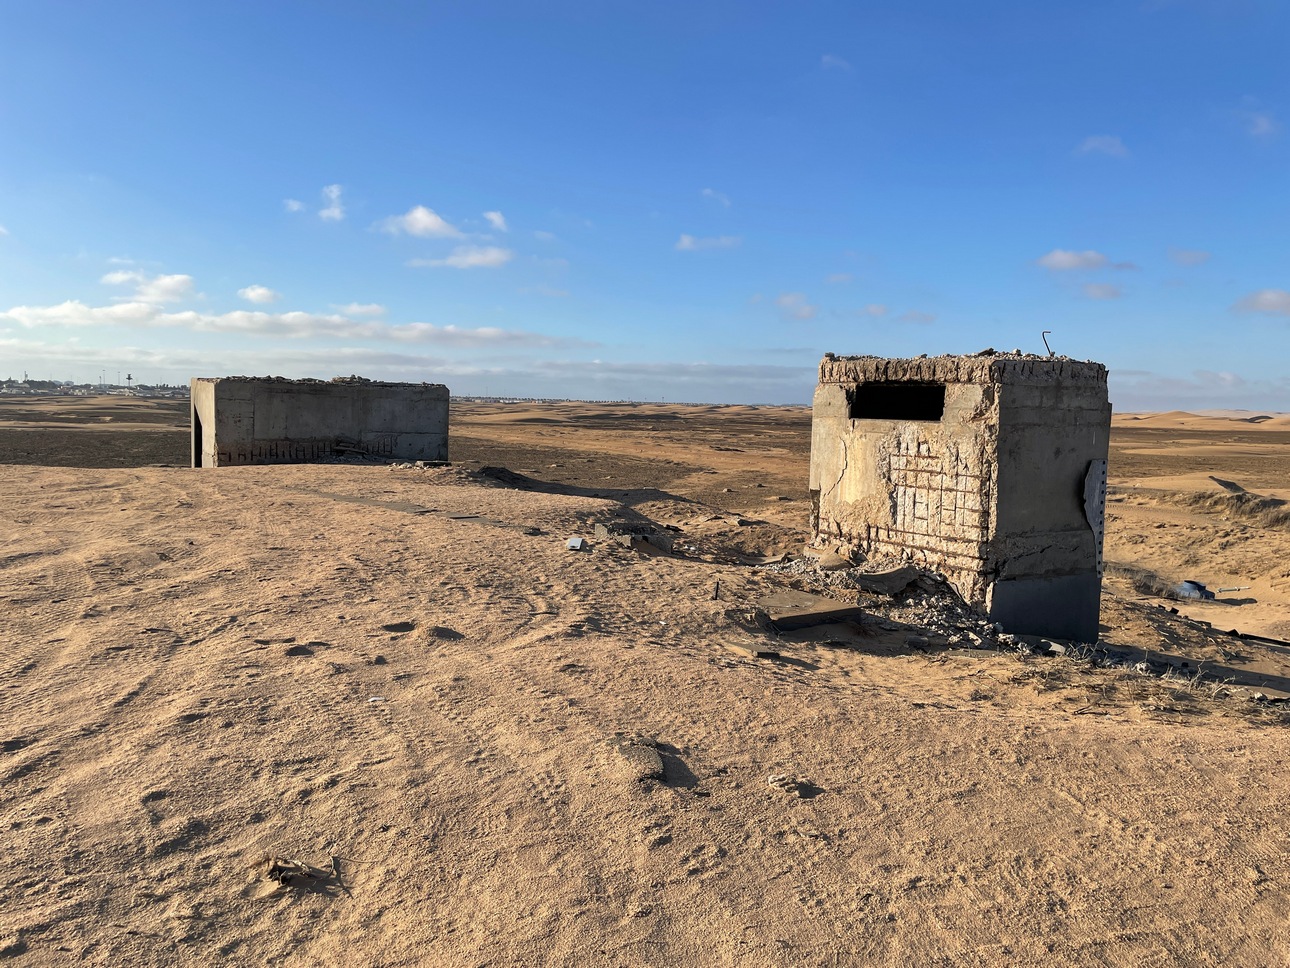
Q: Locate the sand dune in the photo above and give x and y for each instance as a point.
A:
(1207, 420)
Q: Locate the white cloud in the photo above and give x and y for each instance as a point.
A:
(1102, 290)
(834, 62)
(1272, 302)
(1064, 260)
(497, 220)
(247, 322)
(3, 230)
(361, 309)
(839, 278)
(1103, 144)
(334, 210)
(422, 222)
(1189, 257)
(914, 316)
(690, 243)
(470, 257)
(151, 289)
(875, 309)
(293, 205)
(795, 305)
(259, 294)
(544, 236)
(719, 197)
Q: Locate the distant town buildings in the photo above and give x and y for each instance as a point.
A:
(55, 388)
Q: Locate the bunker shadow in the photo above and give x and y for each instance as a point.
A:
(626, 496)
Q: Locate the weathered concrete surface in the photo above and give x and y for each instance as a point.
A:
(984, 481)
(248, 420)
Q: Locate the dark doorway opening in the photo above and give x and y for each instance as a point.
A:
(898, 401)
(197, 439)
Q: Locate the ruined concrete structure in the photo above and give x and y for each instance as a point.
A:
(271, 420)
(990, 469)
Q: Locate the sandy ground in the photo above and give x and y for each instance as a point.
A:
(491, 750)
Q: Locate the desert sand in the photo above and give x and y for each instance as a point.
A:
(453, 741)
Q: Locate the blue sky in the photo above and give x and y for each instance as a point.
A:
(651, 200)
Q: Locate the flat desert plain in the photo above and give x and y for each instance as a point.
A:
(359, 715)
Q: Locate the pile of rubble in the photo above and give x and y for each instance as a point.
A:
(900, 592)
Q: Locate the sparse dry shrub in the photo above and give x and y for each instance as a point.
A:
(1245, 507)
(1141, 580)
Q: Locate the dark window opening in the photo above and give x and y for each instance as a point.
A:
(197, 439)
(898, 401)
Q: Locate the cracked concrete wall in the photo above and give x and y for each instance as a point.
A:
(990, 494)
(244, 420)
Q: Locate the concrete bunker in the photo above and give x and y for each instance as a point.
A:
(271, 420)
(990, 469)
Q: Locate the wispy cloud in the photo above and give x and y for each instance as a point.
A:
(3, 230)
(1261, 124)
(1270, 302)
(1102, 290)
(914, 316)
(497, 220)
(1103, 144)
(1188, 257)
(1144, 390)
(832, 62)
(1064, 260)
(361, 309)
(470, 257)
(554, 262)
(839, 278)
(151, 289)
(691, 243)
(293, 205)
(334, 210)
(542, 236)
(875, 309)
(689, 381)
(795, 305)
(291, 325)
(259, 294)
(420, 221)
(719, 197)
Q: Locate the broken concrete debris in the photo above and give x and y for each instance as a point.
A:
(788, 610)
(826, 559)
(576, 544)
(635, 534)
(988, 468)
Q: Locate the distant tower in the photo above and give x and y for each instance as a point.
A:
(128, 378)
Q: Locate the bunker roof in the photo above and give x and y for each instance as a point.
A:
(988, 366)
(307, 381)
